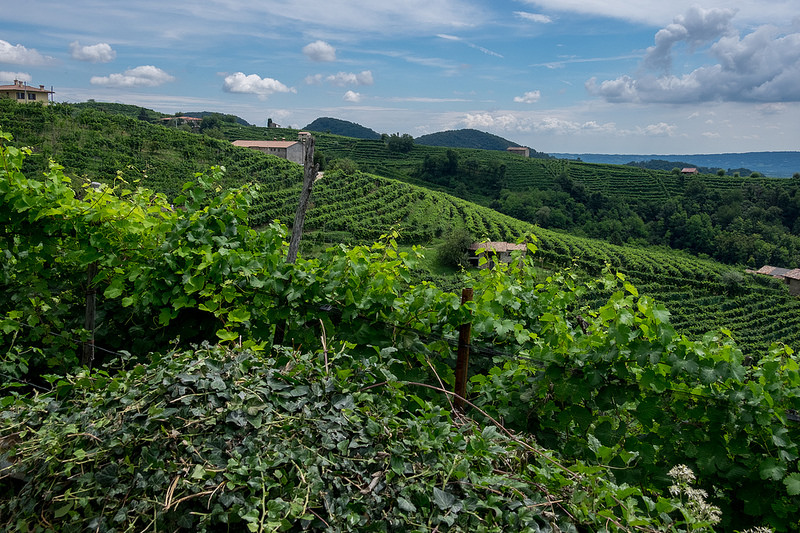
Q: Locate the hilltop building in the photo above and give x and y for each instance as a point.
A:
(689, 170)
(789, 276)
(24, 93)
(194, 122)
(519, 150)
(494, 252)
(294, 151)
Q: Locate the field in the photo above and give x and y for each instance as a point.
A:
(363, 206)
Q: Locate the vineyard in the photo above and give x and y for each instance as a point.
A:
(593, 413)
(360, 207)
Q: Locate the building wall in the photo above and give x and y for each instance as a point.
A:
(295, 153)
(794, 286)
(23, 97)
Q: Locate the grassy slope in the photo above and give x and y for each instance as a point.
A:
(362, 207)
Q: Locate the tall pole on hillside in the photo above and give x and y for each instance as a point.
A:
(309, 175)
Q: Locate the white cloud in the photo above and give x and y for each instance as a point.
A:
(662, 129)
(698, 26)
(762, 66)
(530, 97)
(320, 51)
(142, 76)
(658, 12)
(95, 53)
(19, 55)
(8, 77)
(314, 79)
(254, 84)
(352, 96)
(342, 79)
(533, 17)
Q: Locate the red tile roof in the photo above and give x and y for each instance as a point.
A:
(497, 246)
(264, 144)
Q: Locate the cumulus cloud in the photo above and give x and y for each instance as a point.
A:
(546, 125)
(254, 84)
(697, 27)
(533, 17)
(95, 53)
(342, 79)
(8, 77)
(320, 51)
(530, 97)
(762, 66)
(19, 55)
(142, 76)
(352, 96)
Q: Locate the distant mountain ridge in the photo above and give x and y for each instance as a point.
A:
(471, 138)
(342, 127)
(465, 138)
(772, 164)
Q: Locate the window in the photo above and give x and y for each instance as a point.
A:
(31, 96)
(20, 95)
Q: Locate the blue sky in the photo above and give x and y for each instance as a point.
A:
(607, 76)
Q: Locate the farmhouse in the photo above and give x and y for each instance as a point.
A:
(194, 122)
(494, 252)
(689, 170)
(24, 93)
(790, 276)
(291, 150)
(519, 150)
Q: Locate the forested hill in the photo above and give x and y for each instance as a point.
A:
(345, 128)
(471, 138)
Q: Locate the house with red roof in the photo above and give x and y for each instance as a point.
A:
(25, 94)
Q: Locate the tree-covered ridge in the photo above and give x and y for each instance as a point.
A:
(345, 128)
(470, 138)
(601, 400)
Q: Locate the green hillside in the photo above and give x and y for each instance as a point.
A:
(164, 366)
(342, 127)
(362, 206)
(465, 138)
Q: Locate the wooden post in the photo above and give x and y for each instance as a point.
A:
(309, 175)
(89, 322)
(462, 361)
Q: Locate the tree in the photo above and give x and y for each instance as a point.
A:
(400, 143)
(453, 252)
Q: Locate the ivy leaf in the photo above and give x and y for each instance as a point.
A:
(792, 482)
(443, 500)
(406, 505)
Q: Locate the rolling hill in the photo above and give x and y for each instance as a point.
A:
(359, 207)
(465, 138)
(345, 128)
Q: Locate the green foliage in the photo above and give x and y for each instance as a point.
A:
(342, 127)
(454, 250)
(600, 397)
(400, 143)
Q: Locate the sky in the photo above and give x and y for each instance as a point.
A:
(577, 76)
